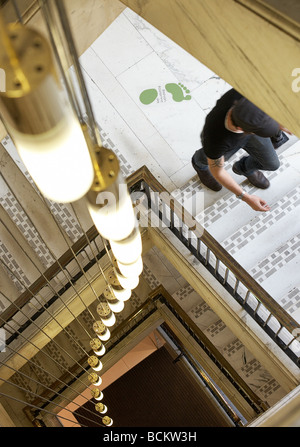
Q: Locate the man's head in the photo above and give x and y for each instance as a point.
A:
(249, 118)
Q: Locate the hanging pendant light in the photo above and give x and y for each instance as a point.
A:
(120, 292)
(107, 421)
(95, 363)
(101, 408)
(111, 209)
(127, 283)
(39, 119)
(113, 300)
(103, 333)
(95, 379)
(107, 316)
(116, 305)
(131, 270)
(128, 250)
(97, 394)
(97, 346)
(118, 281)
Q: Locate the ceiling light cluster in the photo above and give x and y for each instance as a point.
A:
(65, 157)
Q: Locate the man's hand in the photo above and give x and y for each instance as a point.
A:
(222, 176)
(284, 129)
(256, 203)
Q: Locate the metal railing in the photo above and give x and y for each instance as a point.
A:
(258, 303)
(271, 317)
(210, 350)
(64, 263)
(251, 296)
(159, 297)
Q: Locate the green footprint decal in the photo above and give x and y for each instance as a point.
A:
(178, 91)
(148, 96)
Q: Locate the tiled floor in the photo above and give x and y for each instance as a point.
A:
(131, 57)
(150, 99)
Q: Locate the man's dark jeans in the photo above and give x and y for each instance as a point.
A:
(261, 156)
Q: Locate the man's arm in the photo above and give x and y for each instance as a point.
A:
(222, 176)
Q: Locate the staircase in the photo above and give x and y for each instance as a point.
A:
(240, 231)
(163, 135)
(267, 245)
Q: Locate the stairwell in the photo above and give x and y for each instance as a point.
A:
(266, 245)
(164, 134)
(238, 228)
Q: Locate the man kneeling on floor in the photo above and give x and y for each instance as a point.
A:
(236, 123)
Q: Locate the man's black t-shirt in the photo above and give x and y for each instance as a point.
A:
(216, 139)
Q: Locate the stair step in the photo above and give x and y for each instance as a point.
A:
(158, 270)
(229, 214)
(266, 232)
(244, 363)
(291, 302)
(278, 273)
(198, 198)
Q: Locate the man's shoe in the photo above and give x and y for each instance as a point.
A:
(207, 178)
(279, 140)
(256, 179)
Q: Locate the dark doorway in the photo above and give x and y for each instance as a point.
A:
(158, 392)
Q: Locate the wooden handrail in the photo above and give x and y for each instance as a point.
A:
(49, 274)
(160, 290)
(143, 174)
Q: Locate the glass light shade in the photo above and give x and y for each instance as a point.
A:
(116, 280)
(95, 363)
(122, 294)
(105, 336)
(101, 330)
(110, 321)
(100, 351)
(107, 421)
(98, 382)
(129, 249)
(38, 116)
(95, 379)
(117, 306)
(97, 346)
(128, 283)
(99, 367)
(112, 294)
(96, 394)
(58, 160)
(130, 270)
(112, 211)
(101, 408)
(100, 397)
(107, 316)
